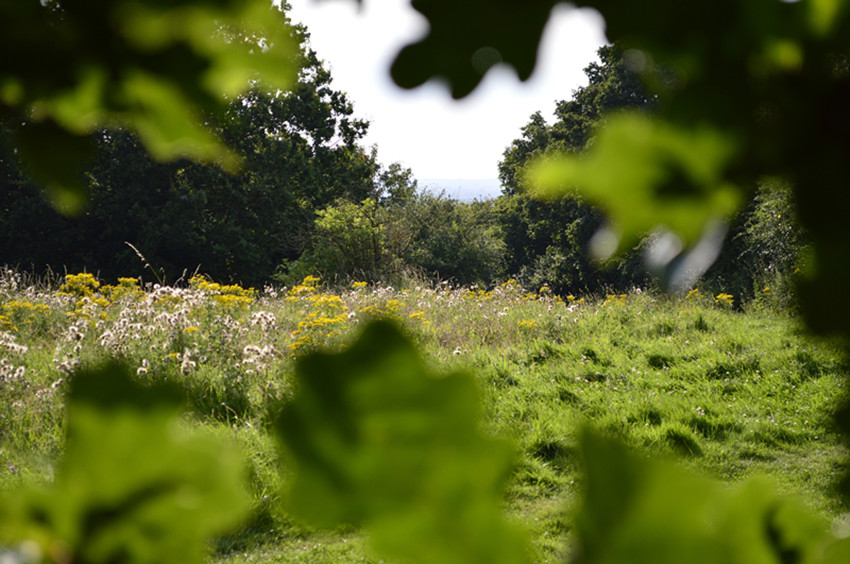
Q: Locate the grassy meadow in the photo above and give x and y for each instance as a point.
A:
(728, 391)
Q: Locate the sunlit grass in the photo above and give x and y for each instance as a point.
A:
(726, 392)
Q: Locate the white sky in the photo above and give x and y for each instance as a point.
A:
(424, 129)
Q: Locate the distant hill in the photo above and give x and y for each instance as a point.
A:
(463, 189)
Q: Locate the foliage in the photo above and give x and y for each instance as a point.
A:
(643, 149)
(407, 233)
(751, 104)
(299, 153)
(142, 66)
(351, 240)
(462, 53)
(774, 245)
(553, 240)
(550, 241)
(763, 255)
(453, 240)
(613, 84)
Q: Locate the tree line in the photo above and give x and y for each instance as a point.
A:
(310, 199)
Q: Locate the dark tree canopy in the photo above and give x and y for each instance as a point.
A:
(613, 84)
(547, 242)
(299, 150)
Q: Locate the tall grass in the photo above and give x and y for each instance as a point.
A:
(726, 392)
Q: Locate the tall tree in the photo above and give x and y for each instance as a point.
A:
(299, 151)
(547, 241)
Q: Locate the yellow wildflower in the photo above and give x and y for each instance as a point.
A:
(615, 299)
(81, 285)
(6, 325)
(310, 281)
(725, 300)
(510, 285)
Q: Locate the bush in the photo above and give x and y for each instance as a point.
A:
(453, 240)
(351, 241)
(763, 251)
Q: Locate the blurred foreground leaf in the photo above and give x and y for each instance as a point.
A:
(646, 173)
(134, 485)
(161, 68)
(377, 441)
(644, 511)
(467, 38)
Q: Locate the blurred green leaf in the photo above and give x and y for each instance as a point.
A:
(168, 125)
(377, 441)
(242, 41)
(638, 510)
(646, 173)
(838, 552)
(823, 15)
(133, 485)
(159, 67)
(467, 38)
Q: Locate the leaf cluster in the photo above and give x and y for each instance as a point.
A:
(154, 68)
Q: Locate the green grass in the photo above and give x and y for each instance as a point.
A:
(724, 392)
